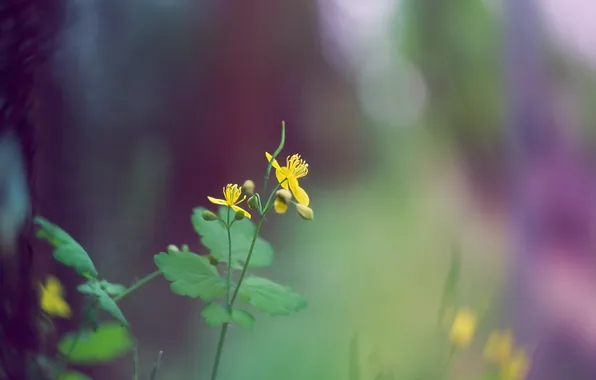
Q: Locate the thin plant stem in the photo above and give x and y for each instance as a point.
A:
(229, 274)
(220, 344)
(275, 154)
(137, 285)
(156, 366)
(135, 364)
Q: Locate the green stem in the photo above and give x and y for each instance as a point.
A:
(220, 344)
(275, 154)
(229, 274)
(137, 285)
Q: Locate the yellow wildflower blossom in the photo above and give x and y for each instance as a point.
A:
(288, 176)
(498, 347)
(516, 367)
(463, 328)
(232, 195)
(51, 298)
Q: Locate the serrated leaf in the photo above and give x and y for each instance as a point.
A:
(215, 315)
(108, 342)
(66, 249)
(243, 318)
(270, 297)
(73, 375)
(104, 300)
(191, 275)
(214, 237)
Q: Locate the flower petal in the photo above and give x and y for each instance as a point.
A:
(280, 206)
(246, 214)
(298, 192)
(281, 177)
(53, 285)
(275, 164)
(217, 201)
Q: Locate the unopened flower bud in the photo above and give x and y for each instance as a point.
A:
(173, 248)
(253, 202)
(305, 212)
(248, 187)
(284, 195)
(209, 216)
(239, 215)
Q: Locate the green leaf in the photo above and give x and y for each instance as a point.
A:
(191, 275)
(214, 236)
(73, 375)
(66, 249)
(215, 315)
(112, 289)
(270, 297)
(104, 300)
(243, 318)
(108, 342)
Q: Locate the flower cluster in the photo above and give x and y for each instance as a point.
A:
(512, 362)
(288, 185)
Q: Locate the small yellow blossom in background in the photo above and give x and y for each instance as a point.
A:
(516, 367)
(288, 176)
(498, 347)
(232, 195)
(51, 298)
(463, 328)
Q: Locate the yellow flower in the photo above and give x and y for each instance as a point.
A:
(463, 328)
(232, 195)
(288, 176)
(516, 367)
(51, 298)
(498, 347)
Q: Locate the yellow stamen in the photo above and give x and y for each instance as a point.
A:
(297, 166)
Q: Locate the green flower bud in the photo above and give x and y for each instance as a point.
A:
(209, 216)
(239, 215)
(254, 202)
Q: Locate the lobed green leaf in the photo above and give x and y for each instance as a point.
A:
(214, 237)
(270, 297)
(190, 274)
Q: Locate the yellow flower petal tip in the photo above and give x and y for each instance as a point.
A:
(463, 328)
(232, 197)
(289, 175)
(51, 301)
